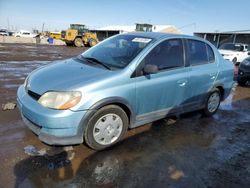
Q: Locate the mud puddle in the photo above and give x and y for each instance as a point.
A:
(30, 52)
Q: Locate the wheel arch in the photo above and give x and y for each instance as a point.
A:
(77, 38)
(122, 103)
(118, 101)
(220, 87)
(222, 91)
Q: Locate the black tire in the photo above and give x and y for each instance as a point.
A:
(78, 42)
(69, 43)
(89, 131)
(234, 60)
(92, 42)
(206, 112)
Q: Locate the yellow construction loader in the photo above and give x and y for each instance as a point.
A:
(78, 35)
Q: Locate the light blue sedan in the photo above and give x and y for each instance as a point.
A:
(123, 82)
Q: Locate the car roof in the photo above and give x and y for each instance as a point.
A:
(26, 31)
(237, 43)
(159, 35)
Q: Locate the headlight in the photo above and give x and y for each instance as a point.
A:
(246, 62)
(26, 83)
(60, 100)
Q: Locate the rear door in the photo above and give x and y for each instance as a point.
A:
(203, 71)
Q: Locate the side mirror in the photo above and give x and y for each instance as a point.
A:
(150, 69)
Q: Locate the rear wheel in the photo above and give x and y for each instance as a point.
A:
(106, 127)
(212, 103)
(92, 42)
(78, 42)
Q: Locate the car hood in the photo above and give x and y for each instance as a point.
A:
(227, 51)
(64, 76)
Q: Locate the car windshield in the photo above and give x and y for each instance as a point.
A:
(117, 52)
(231, 46)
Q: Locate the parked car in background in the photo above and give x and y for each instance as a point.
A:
(235, 52)
(244, 72)
(123, 82)
(25, 33)
(4, 32)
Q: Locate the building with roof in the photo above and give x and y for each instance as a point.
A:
(219, 38)
(108, 31)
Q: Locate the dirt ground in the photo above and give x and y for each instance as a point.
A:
(190, 152)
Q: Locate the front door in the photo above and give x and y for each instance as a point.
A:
(163, 92)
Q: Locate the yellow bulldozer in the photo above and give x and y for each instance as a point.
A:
(78, 35)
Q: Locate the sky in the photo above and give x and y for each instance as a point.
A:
(187, 15)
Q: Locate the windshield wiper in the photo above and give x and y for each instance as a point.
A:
(91, 59)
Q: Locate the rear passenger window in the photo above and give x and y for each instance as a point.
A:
(210, 54)
(199, 53)
(166, 55)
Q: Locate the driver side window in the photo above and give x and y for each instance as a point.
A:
(166, 55)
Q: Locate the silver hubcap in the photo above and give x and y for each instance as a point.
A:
(213, 102)
(107, 129)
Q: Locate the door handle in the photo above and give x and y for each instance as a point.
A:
(182, 82)
(212, 76)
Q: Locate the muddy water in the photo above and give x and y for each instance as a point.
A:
(13, 74)
(190, 152)
(17, 61)
(27, 52)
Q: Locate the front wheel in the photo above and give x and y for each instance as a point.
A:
(212, 103)
(78, 42)
(106, 127)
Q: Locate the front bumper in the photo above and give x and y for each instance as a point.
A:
(54, 127)
(228, 58)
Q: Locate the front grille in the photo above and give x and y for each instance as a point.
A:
(34, 95)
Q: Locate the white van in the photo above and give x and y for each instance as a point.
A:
(25, 33)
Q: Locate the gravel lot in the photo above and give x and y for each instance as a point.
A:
(189, 152)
